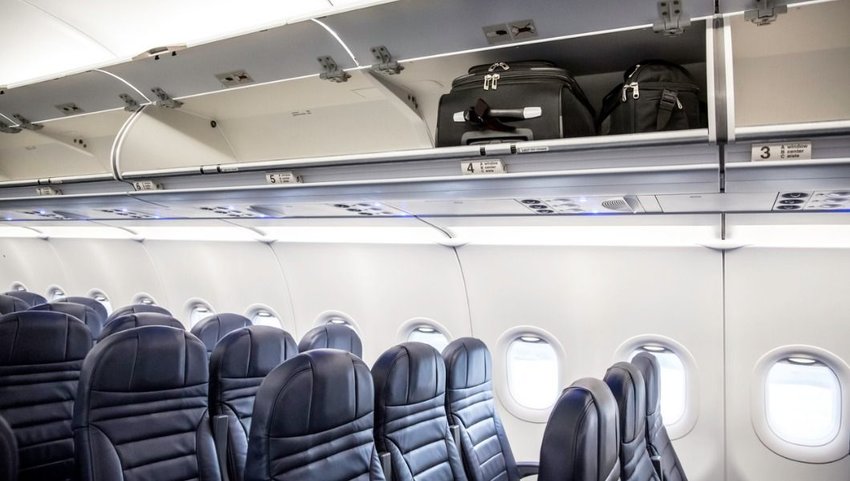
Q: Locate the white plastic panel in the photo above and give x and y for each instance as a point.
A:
(33, 262)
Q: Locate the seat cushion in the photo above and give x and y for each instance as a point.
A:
(89, 316)
(332, 336)
(87, 301)
(141, 319)
(8, 452)
(212, 328)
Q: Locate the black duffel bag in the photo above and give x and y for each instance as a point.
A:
(655, 96)
(509, 103)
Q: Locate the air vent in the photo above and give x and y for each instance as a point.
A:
(582, 205)
(53, 215)
(235, 78)
(130, 214)
(830, 200)
(366, 209)
(621, 204)
(232, 211)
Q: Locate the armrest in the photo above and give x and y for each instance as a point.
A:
(220, 426)
(528, 468)
(387, 464)
(454, 430)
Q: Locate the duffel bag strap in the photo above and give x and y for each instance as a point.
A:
(668, 102)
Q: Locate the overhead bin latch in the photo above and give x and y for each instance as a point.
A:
(671, 18)
(765, 12)
(130, 104)
(331, 71)
(26, 124)
(384, 61)
(165, 100)
(8, 129)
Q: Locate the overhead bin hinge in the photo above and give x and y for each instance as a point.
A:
(331, 71)
(130, 104)
(26, 124)
(8, 129)
(672, 19)
(165, 100)
(384, 61)
(765, 12)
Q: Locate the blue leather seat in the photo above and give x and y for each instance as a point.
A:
(10, 304)
(483, 444)
(238, 365)
(410, 415)
(132, 321)
(629, 389)
(581, 441)
(657, 439)
(87, 301)
(141, 413)
(30, 298)
(332, 336)
(212, 328)
(41, 354)
(8, 452)
(91, 318)
(313, 420)
(136, 309)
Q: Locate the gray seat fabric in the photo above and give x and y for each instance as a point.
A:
(91, 318)
(332, 336)
(410, 415)
(132, 321)
(484, 445)
(41, 354)
(313, 421)
(87, 301)
(581, 441)
(136, 309)
(8, 452)
(141, 413)
(629, 389)
(238, 365)
(10, 304)
(658, 441)
(30, 298)
(212, 328)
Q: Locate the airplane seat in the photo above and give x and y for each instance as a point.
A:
(657, 439)
(87, 301)
(141, 319)
(30, 298)
(581, 441)
(481, 438)
(41, 354)
(313, 421)
(91, 318)
(8, 452)
(411, 425)
(10, 304)
(136, 309)
(141, 412)
(627, 385)
(211, 329)
(332, 336)
(238, 365)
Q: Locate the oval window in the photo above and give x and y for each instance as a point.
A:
(145, 299)
(102, 298)
(18, 286)
(55, 293)
(673, 383)
(199, 310)
(532, 370)
(264, 317)
(429, 335)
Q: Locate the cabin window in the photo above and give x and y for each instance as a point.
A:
(264, 316)
(55, 293)
(102, 298)
(199, 310)
(18, 286)
(803, 401)
(428, 334)
(142, 298)
(532, 369)
(673, 382)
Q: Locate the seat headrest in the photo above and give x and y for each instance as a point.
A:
(30, 298)
(135, 309)
(313, 392)
(212, 328)
(10, 304)
(468, 363)
(251, 351)
(651, 372)
(141, 319)
(89, 316)
(150, 358)
(332, 336)
(629, 389)
(409, 373)
(42, 337)
(581, 440)
(87, 301)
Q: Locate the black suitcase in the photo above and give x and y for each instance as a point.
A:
(516, 102)
(655, 96)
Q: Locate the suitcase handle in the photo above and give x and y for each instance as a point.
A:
(519, 114)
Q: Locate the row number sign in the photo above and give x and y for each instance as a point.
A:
(282, 178)
(784, 151)
(479, 167)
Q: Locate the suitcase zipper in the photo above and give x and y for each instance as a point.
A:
(491, 80)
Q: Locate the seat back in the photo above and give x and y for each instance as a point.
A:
(313, 421)
(142, 319)
(581, 441)
(8, 452)
(91, 318)
(41, 354)
(136, 309)
(30, 298)
(238, 365)
(629, 389)
(483, 445)
(87, 301)
(141, 412)
(10, 304)
(332, 336)
(657, 439)
(211, 329)
(410, 414)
